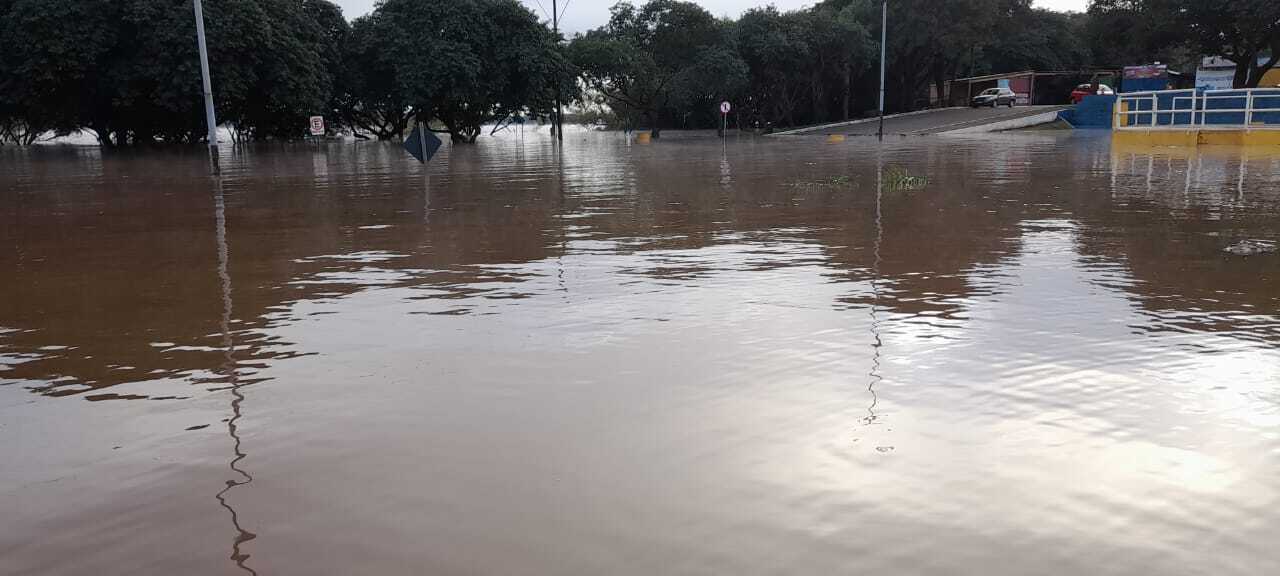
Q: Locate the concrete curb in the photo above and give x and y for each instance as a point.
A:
(1011, 124)
(817, 129)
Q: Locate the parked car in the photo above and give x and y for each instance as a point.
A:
(995, 97)
(1087, 90)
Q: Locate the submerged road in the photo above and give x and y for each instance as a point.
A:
(928, 121)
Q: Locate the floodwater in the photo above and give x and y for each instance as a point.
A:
(1007, 355)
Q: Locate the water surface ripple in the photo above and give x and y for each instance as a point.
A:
(765, 356)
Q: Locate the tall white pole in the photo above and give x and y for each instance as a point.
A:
(884, 35)
(555, 27)
(209, 116)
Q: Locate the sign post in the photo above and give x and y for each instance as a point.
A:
(317, 126)
(209, 116)
(884, 50)
(422, 144)
(725, 109)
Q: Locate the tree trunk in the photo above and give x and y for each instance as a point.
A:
(848, 89)
(1244, 67)
(819, 103)
(655, 131)
(1257, 72)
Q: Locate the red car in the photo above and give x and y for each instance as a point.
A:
(1087, 90)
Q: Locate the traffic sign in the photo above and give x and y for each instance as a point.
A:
(317, 125)
(725, 107)
(422, 144)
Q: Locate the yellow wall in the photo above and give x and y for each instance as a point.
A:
(1191, 138)
(1271, 79)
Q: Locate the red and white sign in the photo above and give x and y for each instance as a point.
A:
(725, 107)
(317, 125)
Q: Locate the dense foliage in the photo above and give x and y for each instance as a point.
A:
(1246, 32)
(821, 63)
(660, 59)
(127, 70)
(462, 63)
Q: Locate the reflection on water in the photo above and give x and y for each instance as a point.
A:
(610, 357)
(878, 342)
(242, 536)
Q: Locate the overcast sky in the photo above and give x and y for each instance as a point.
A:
(585, 14)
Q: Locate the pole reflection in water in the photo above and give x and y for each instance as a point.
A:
(1244, 167)
(229, 370)
(562, 221)
(877, 342)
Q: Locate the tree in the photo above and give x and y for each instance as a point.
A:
(928, 39)
(843, 50)
(1029, 38)
(128, 69)
(1129, 32)
(774, 47)
(373, 100)
(1240, 31)
(52, 50)
(292, 70)
(463, 63)
(661, 55)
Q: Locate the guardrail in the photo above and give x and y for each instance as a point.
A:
(1252, 109)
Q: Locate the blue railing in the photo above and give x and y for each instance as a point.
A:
(1253, 109)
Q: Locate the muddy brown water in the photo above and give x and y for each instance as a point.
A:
(771, 356)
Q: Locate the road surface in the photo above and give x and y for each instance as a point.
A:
(928, 121)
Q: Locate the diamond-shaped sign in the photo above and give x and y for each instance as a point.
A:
(414, 144)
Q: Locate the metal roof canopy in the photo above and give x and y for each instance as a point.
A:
(990, 77)
(951, 98)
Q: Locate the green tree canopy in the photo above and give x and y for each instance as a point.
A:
(664, 54)
(128, 69)
(1027, 38)
(1242, 31)
(464, 63)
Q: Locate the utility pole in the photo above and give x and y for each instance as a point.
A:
(884, 35)
(209, 116)
(555, 28)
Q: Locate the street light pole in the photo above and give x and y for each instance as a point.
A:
(209, 116)
(555, 27)
(884, 35)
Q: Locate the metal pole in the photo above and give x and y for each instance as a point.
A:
(422, 140)
(209, 116)
(555, 27)
(884, 34)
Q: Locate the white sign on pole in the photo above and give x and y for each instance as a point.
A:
(317, 125)
(725, 107)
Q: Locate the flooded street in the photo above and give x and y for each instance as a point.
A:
(1006, 355)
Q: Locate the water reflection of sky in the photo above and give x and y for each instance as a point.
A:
(680, 334)
(943, 248)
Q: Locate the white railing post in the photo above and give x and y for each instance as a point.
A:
(1155, 105)
(1248, 111)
